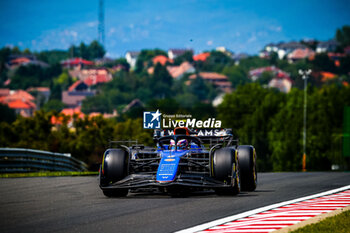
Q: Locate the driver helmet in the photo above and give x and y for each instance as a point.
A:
(183, 143)
(172, 143)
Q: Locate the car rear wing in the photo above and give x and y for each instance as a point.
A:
(207, 136)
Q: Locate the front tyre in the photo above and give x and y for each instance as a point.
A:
(235, 184)
(225, 168)
(114, 168)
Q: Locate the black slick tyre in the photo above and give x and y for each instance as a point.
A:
(114, 168)
(226, 168)
(247, 163)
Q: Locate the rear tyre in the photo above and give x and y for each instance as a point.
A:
(225, 168)
(247, 163)
(114, 168)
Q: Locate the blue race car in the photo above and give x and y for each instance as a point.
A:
(183, 160)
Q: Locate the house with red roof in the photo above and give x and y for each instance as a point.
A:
(161, 59)
(281, 79)
(78, 86)
(178, 72)
(299, 54)
(21, 101)
(76, 62)
(201, 56)
(219, 80)
(22, 108)
(92, 76)
(23, 60)
(255, 74)
(98, 78)
(42, 92)
(76, 93)
(4, 92)
(282, 83)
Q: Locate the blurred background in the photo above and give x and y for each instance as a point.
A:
(75, 74)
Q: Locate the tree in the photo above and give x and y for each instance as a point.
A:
(144, 58)
(169, 106)
(325, 108)
(273, 58)
(4, 54)
(265, 78)
(248, 111)
(96, 50)
(53, 105)
(32, 132)
(285, 136)
(98, 103)
(83, 51)
(323, 63)
(7, 114)
(344, 65)
(187, 56)
(236, 75)
(34, 76)
(92, 51)
(161, 82)
(53, 56)
(123, 62)
(199, 88)
(73, 51)
(343, 36)
(216, 62)
(253, 62)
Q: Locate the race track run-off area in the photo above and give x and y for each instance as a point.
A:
(77, 204)
(280, 217)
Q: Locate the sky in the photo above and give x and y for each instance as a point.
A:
(239, 25)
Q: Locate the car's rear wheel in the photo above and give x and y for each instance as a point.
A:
(225, 168)
(247, 163)
(114, 168)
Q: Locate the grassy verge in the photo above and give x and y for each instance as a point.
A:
(41, 174)
(338, 223)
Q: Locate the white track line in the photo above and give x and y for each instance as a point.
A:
(259, 210)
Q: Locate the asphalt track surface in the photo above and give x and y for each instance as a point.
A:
(76, 204)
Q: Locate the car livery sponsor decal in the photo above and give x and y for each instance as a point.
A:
(152, 120)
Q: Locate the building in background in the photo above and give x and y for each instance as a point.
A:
(219, 80)
(76, 62)
(131, 58)
(21, 101)
(173, 53)
(76, 93)
(327, 46)
(178, 72)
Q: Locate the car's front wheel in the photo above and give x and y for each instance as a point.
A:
(225, 167)
(114, 168)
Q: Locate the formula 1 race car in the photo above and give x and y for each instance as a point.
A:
(183, 160)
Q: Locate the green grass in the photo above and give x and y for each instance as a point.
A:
(338, 223)
(41, 174)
